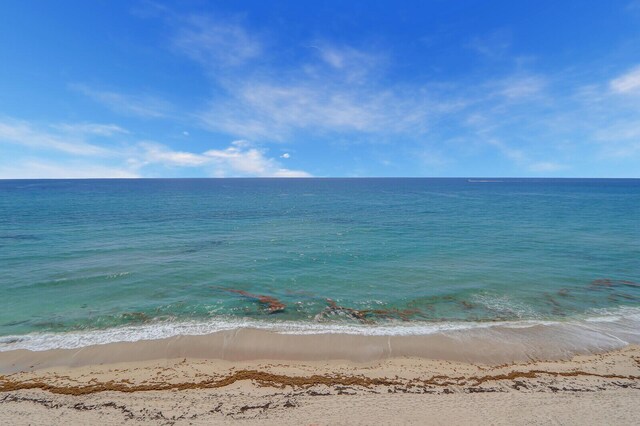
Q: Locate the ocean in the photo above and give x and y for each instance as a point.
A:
(95, 261)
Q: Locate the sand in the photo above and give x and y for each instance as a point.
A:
(586, 389)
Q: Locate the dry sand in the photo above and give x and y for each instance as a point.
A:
(588, 389)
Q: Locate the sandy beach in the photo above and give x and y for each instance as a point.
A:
(597, 389)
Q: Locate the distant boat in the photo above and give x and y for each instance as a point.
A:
(483, 180)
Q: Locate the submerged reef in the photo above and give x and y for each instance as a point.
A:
(365, 316)
(273, 305)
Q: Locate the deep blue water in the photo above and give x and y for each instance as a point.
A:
(98, 254)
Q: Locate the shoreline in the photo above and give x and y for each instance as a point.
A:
(619, 326)
(491, 345)
(600, 388)
(574, 372)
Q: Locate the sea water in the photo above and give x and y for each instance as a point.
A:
(91, 261)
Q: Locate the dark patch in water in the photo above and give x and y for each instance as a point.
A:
(628, 296)
(20, 237)
(135, 317)
(614, 287)
(549, 298)
(273, 304)
(334, 309)
(203, 245)
(344, 221)
(52, 325)
(610, 283)
(467, 305)
(366, 316)
(14, 323)
(616, 297)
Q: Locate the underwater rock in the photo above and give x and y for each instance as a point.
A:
(135, 316)
(608, 283)
(273, 304)
(466, 305)
(335, 309)
(364, 315)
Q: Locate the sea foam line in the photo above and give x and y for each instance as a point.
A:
(627, 318)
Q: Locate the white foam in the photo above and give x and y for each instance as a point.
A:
(621, 322)
(504, 305)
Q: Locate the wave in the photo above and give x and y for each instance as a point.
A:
(621, 325)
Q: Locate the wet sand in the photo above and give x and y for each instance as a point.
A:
(601, 388)
(489, 345)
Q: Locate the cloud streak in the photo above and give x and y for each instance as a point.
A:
(144, 106)
(238, 159)
(24, 134)
(627, 83)
(116, 155)
(214, 43)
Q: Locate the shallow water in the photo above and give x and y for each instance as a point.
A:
(379, 256)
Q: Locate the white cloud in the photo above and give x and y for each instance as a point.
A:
(24, 134)
(338, 90)
(216, 44)
(40, 169)
(340, 93)
(546, 166)
(91, 129)
(516, 155)
(144, 106)
(157, 153)
(627, 83)
(76, 158)
(351, 64)
(238, 159)
(522, 160)
(272, 110)
(619, 131)
(521, 87)
(242, 159)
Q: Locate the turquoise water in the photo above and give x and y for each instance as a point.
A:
(85, 255)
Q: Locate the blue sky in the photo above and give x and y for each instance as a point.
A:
(324, 88)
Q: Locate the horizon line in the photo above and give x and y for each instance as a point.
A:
(323, 177)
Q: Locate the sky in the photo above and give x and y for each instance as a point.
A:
(111, 88)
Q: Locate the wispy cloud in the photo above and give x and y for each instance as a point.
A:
(70, 150)
(546, 167)
(145, 106)
(342, 91)
(90, 129)
(521, 86)
(157, 153)
(335, 93)
(215, 43)
(516, 155)
(627, 83)
(525, 161)
(493, 45)
(336, 90)
(353, 65)
(43, 169)
(238, 159)
(64, 140)
(273, 110)
(242, 158)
